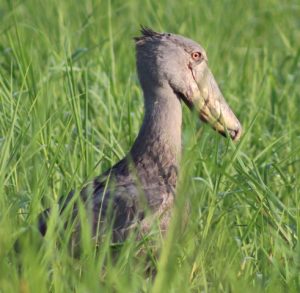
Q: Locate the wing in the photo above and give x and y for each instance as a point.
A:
(115, 199)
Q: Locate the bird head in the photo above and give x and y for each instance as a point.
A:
(183, 65)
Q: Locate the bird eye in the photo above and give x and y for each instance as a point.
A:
(196, 56)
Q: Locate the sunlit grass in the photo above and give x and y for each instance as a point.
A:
(71, 106)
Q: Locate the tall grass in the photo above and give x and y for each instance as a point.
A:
(71, 106)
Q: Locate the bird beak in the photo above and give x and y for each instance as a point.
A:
(209, 102)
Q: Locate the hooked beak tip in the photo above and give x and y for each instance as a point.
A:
(236, 134)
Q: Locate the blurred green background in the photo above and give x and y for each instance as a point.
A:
(71, 106)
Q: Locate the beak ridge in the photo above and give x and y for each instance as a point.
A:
(211, 105)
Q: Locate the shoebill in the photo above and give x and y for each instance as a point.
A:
(172, 70)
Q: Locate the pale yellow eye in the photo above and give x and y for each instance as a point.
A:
(196, 56)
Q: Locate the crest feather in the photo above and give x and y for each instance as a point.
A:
(147, 33)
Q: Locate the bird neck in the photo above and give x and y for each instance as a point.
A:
(159, 139)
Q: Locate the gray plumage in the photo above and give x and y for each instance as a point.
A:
(171, 69)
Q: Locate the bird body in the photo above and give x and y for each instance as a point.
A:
(171, 69)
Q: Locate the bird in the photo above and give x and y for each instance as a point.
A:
(172, 70)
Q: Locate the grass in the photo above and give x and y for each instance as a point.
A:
(71, 106)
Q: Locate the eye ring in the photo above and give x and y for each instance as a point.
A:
(196, 56)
